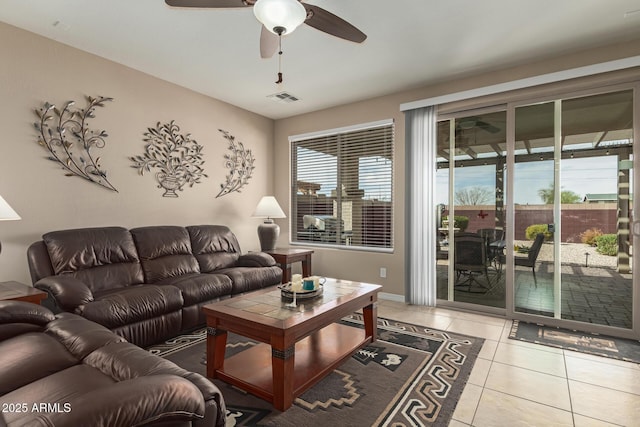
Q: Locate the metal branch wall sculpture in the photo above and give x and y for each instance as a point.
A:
(240, 162)
(66, 136)
(177, 156)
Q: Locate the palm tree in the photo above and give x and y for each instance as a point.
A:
(566, 196)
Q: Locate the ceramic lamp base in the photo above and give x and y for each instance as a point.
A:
(268, 233)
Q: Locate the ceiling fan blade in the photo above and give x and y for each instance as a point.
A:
(329, 23)
(487, 126)
(268, 43)
(209, 3)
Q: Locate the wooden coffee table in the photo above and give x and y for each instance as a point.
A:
(299, 346)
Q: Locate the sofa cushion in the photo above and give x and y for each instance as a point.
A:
(87, 396)
(165, 251)
(29, 357)
(155, 400)
(152, 330)
(197, 288)
(103, 258)
(255, 259)
(214, 246)
(247, 279)
(128, 305)
(62, 386)
(77, 373)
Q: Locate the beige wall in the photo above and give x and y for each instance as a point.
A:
(34, 70)
(365, 266)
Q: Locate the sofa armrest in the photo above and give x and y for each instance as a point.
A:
(19, 317)
(79, 335)
(125, 361)
(24, 312)
(68, 292)
(142, 401)
(255, 259)
(215, 407)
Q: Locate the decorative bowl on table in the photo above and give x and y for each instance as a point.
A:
(286, 292)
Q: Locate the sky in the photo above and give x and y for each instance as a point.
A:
(582, 176)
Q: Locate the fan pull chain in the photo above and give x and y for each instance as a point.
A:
(279, 81)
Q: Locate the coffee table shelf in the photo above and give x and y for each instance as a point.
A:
(315, 355)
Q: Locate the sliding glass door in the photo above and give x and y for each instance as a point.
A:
(597, 155)
(559, 243)
(573, 183)
(535, 216)
(470, 210)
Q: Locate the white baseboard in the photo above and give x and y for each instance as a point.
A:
(391, 297)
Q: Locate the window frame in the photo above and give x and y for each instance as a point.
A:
(388, 234)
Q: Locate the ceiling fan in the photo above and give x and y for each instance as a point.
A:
(267, 10)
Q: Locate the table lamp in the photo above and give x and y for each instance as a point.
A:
(268, 231)
(6, 213)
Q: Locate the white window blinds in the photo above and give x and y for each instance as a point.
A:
(342, 187)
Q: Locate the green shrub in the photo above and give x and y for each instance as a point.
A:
(589, 236)
(532, 231)
(459, 221)
(607, 244)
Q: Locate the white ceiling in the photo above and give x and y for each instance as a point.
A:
(411, 43)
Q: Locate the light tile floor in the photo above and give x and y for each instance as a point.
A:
(514, 383)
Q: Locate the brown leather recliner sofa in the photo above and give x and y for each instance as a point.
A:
(63, 370)
(146, 284)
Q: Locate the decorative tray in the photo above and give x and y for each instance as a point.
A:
(286, 291)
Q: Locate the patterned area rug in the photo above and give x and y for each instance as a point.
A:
(600, 345)
(411, 376)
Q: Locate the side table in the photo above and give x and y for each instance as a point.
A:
(18, 291)
(286, 256)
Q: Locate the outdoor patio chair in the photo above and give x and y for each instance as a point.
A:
(471, 260)
(532, 255)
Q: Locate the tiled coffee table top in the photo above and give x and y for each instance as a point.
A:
(271, 304)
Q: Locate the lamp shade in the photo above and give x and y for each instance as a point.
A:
(6, 212)
(280, 16)
(268, 207)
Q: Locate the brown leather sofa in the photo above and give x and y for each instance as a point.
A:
(64, 370)
(146, 284)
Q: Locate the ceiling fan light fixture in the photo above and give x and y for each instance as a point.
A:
(280, 16)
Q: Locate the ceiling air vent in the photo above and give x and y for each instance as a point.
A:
(283, 97)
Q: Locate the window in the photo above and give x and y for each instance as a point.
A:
(342, 187)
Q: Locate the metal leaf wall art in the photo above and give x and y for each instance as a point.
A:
(65, 134)
(240, 165)
(177, 157)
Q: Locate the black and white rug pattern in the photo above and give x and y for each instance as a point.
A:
(411, 376)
